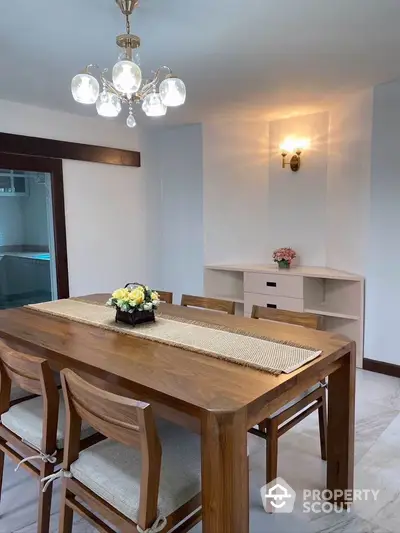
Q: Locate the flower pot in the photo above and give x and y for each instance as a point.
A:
(284, 264)
(136, 317)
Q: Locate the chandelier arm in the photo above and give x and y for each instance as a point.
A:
(86, 70)
(110, 87)
(148, 87)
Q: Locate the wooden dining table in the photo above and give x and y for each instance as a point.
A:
(218, 399)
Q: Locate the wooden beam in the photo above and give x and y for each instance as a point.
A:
(35, 146)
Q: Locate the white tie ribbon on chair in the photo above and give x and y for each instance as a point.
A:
(45, 457)
(158, 526)
(52, 477)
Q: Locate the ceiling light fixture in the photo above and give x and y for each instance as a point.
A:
(127, 86)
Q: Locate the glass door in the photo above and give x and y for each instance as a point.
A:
(28, 271)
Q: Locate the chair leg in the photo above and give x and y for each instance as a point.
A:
(262, 426)
(45, 500)
(2, 455)
(272, 450)
(66, 513)
(322, 417)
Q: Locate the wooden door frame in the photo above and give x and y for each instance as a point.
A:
(55, 168)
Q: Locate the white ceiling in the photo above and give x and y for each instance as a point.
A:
(258, 55)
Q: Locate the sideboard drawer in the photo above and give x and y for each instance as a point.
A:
(274, 284)
(275, 302)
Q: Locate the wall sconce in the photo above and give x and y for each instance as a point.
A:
(295, 147)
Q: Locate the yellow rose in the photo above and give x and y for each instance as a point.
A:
(155, 295)
(119, 294)
(137, 295)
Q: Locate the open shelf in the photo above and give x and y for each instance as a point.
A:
(225, 285)
(335, 295)
(325, 312)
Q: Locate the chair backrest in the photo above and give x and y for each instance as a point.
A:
(122, 419)
(30, 373)
(307, 320)
(34, 375)
(165, 296)
(214, 304)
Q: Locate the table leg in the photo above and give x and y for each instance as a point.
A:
(341, 408)
(225, 473)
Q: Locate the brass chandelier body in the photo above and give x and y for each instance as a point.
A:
(162, 91)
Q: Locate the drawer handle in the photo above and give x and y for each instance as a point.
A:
(271, 284)
(271, 306)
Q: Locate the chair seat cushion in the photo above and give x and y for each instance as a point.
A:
(297, 399)
(26, 420)
(17, 393)
(112, 471)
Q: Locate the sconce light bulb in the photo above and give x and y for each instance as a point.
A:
(289, 145)
(303, 144)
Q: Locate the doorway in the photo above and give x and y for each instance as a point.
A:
(33, 256)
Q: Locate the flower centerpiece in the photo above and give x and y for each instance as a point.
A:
(284, 257)
(134, 304)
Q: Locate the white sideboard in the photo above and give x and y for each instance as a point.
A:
(336, 295)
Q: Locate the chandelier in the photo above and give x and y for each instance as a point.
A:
(127, 87)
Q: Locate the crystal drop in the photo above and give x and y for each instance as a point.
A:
(130, 121)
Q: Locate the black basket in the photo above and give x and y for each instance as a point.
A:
(136, 317)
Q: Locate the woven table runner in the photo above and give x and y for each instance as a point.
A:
(247, 350)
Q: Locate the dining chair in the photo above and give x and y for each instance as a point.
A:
(165, 296)
(145, 477)
(295, 411)
(32, 430)
(18, 395)
(213, 304)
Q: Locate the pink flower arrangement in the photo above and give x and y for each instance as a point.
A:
(284, 256)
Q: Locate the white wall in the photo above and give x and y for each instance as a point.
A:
(349, 183)
(29, 120)
(235, 181)
(252, 205)
(383, 282)
(181, 169)
(296, 207)
(106, 205)
(105, 220)
(175, 178)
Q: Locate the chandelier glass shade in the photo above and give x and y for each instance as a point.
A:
(108, 105)
(85, 88)
(153, 105)
(172, 92)
(127, 77)
(128, 87)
